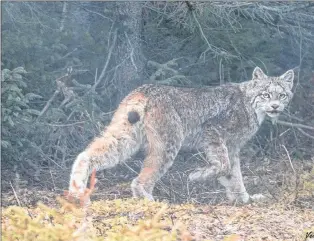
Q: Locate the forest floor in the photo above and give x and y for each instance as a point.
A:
(117, 218)
(185, 211)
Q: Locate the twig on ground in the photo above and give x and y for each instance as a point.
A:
(289, 158)
(15, 195)
(53, 182)
(64, 125)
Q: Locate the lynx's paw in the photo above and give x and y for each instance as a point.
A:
(238, 198)
(139, 191)
(235, 191)
(245, 198)
(79, 174)
(201, 174)
(258, 197)
(195, 176)
(76, 188)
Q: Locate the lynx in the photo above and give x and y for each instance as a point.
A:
(217, 121)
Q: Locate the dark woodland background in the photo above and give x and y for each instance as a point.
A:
(66, 66)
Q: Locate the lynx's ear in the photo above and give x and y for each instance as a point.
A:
(258, 73)
(288, 78)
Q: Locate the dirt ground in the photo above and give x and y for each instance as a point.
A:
(286, 214)
(262, 221)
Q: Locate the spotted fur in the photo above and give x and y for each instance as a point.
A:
(163, 120)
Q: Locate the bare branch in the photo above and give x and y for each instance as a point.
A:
(306, 134)
(132, 51)
(103, 72)
(99, 14)
(284, 123)
(215, 50)
(48, 103)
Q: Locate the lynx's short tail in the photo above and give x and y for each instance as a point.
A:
(121, 139)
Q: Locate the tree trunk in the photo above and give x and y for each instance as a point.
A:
(128, 57)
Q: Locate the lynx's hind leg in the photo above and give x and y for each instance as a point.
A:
(155, 166)
(120, 140)
(164, 142)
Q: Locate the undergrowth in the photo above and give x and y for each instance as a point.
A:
(78, 219)
(72, 221)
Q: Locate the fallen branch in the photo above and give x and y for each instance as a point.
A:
(284, 123)
(306, 134)
(64, 125)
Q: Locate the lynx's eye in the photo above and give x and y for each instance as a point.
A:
(282, 96)
(265, 95)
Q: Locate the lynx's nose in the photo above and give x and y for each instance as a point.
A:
(274, 106)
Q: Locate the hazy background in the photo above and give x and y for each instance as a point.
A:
(67, 65)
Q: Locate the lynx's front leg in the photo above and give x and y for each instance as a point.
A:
(235, 189)
(218, 158)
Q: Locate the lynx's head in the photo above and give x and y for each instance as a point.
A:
(270, 95)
